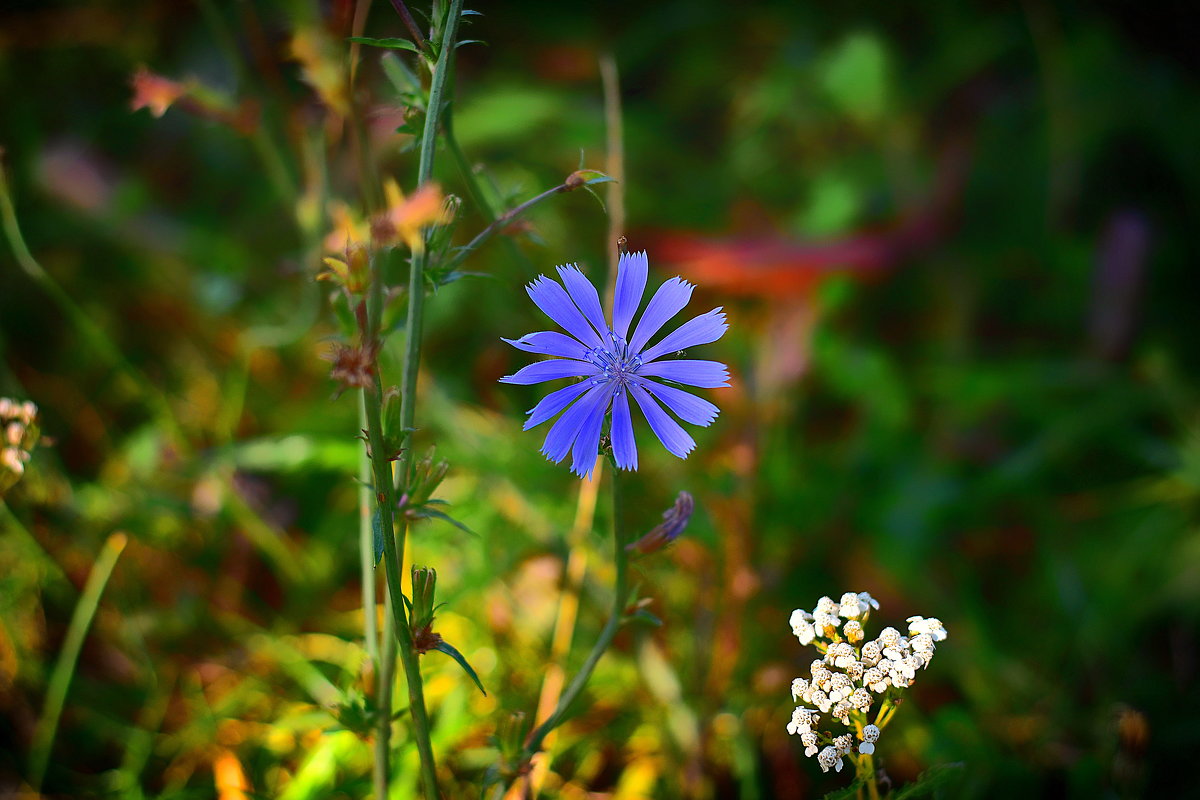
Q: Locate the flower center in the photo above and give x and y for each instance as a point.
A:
(617, 363)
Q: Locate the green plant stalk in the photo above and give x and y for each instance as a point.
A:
(68, 657)
(366, 558)
(385, 482)
(385, 497)
(416, 274)
(500, 222)
(865, 766)
(616, 616)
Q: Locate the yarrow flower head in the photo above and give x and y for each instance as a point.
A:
(858, 681)
(615, 364)
(18, 434)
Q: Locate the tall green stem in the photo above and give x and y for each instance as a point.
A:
(416, 274)
(621, 559)
(366, 552)
(385, 498)
(384, 481)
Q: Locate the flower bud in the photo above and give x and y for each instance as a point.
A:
(675, 519)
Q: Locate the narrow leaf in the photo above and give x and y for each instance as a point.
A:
(588, 189)
(403, 79)
(645, 617)
(390, 44)
(424, 512)
(449, 650)
(377, 529)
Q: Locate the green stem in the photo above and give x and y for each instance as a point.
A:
(384, 481)
(416, 274)
(366, 558)
(866, 773)
(385, 498)
(616, 616)
(501, 221)
(68, 657)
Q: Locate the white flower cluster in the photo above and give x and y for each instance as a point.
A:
(18, 433)
(845, 682)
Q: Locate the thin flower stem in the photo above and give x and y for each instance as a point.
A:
(616, 616)
(885, 714)
(501, 221)
(568, 611)
(68, 657)
(866, 773)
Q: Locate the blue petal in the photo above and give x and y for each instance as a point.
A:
(624, 445)
(584, 295)
(631, 283)
(587, 443)
(670, 298)
(701, 330)
(686, 406)
(564, 432)
(550, 343)
(674, 438)
(705, 374)
(553, 403)
(554, 301)
(551, 370)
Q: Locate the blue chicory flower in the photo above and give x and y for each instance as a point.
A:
(614, 367)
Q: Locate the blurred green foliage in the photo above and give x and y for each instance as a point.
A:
(955, 242)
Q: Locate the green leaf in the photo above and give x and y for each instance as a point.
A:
(470, 41)
(424, 512)
(377, 530)
(390, 44)
(404, 80)
(445, 647)
(936, 777)
(588, 189)
(645, 617)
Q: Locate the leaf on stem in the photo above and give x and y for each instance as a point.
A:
(377, 530)
(425, 512)
(392, 43)
(444, 647)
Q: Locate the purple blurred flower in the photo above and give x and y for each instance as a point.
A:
(614, 367)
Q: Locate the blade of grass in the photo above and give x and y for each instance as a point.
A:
(68, 657)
